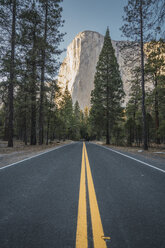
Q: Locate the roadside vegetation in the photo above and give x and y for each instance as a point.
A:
(35, 110)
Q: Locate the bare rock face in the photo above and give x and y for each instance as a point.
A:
(79, 67)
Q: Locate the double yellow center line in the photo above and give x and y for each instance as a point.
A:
(97, 228)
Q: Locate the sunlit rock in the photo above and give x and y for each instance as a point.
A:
(79, 66)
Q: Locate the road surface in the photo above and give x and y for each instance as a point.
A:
(83, 195)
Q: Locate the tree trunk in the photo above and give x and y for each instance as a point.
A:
(130, 135)
(41, 117)
(6, 124)
(12, 77)
(107, 116)
(107, 134)
(33, 117)
(156, 112)
(33, 93)
(47, 133)
(145, 145)
(134, 126)
(134, 121)
(41, 114)
(25, 121)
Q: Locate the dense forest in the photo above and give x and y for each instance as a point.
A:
(29, 62)
(124, 125)
(35, 110)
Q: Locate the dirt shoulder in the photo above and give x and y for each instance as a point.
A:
(152, 153)
(20, 151)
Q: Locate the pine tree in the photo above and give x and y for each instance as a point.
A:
(50, 41)
(8, 23)
(29, 53)
(66, 112)
(155, 67)
(30, 47)
(138, 26)
(4, 103)
(77, 111)
(76, 125)
(43, 58)
(22, 110)
(108, 90)
(52, 93)
(133, 106)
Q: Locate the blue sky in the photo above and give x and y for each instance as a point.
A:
(94, 15)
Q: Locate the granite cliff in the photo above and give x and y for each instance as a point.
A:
(78, 68)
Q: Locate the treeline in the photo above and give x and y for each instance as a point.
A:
(143, 119)
(143, 21)
(124, 125)
(118, 125)
(35, 110)
(29, 53)
(154, 72)
(107, 120)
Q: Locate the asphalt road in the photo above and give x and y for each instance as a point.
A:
(74, 195)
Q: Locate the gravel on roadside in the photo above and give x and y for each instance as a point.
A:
(20, 151)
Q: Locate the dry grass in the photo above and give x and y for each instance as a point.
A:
(155, 150)
(20, 146)
(20, 151)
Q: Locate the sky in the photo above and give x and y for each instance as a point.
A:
(94, 15)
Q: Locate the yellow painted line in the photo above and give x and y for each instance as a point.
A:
(106, 238)
(97, 227)
(81, 235)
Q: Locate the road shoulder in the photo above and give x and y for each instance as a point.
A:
(150, 157)
(13, 155)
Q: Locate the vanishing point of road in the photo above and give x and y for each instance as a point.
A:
(85, 196)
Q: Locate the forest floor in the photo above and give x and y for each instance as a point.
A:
(20, 151)
(153, 152)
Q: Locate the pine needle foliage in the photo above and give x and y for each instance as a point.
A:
(106, 98)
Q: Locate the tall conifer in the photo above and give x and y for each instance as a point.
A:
(50, 40)
(8, 23)
(108, 90)
(155, 67)
(138, 23)
(66, 112)
(30, 47)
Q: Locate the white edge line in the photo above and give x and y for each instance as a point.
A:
(50, 150)
(137, 160)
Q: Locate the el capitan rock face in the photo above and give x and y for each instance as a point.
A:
(79, 66)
